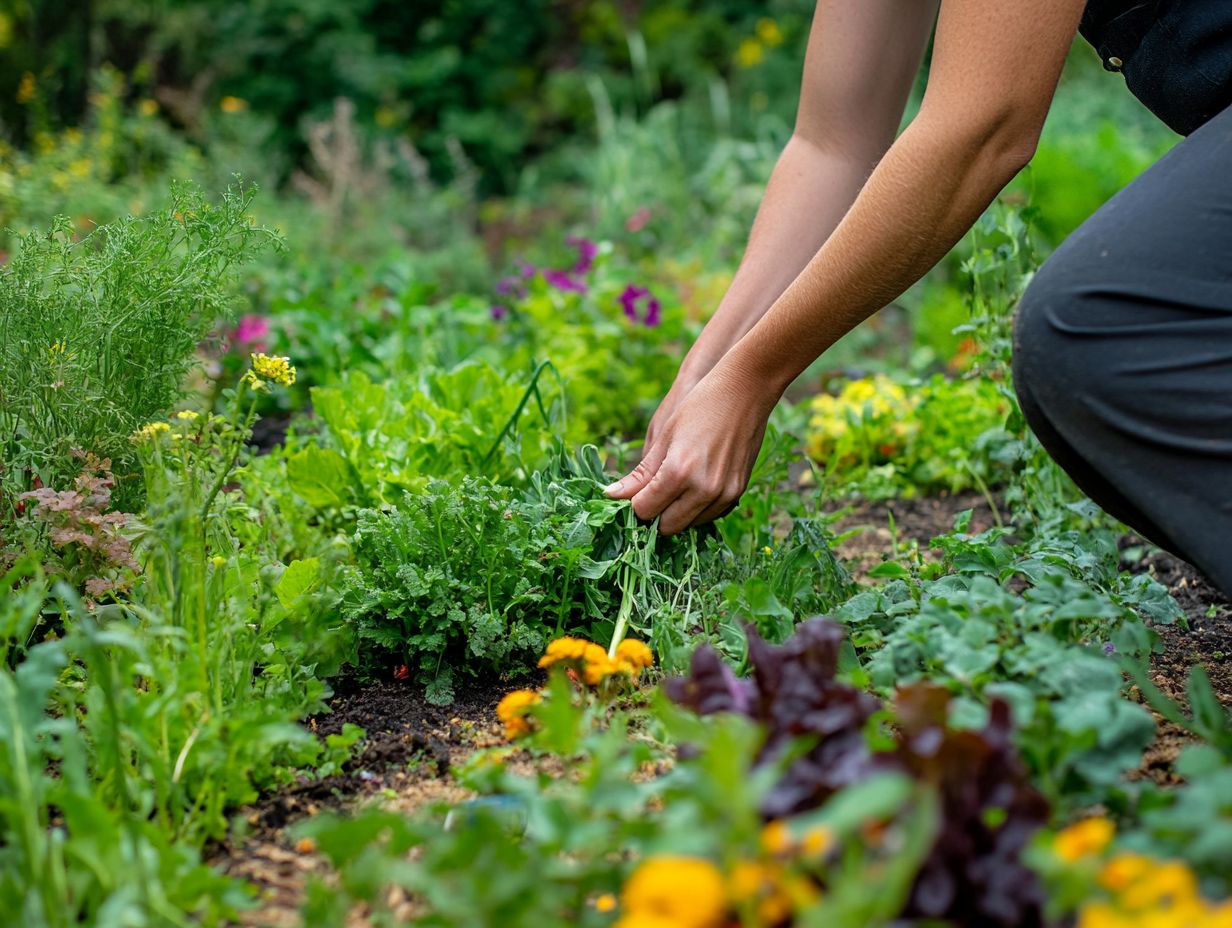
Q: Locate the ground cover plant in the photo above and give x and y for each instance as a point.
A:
(313, 610)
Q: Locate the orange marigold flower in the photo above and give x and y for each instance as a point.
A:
(635, 652)
(563, 649)
(512, 711)
(1083, 839)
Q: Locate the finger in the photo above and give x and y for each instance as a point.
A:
(632, 483)
(683, 513)
(668, 483)
(716, 510)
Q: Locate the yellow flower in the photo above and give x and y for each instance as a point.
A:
(562, 649)
(1123, 870)
(751, 53)
(149, 432)
(776, 837)
(774, 893)
(187, 415)
(512, 709)
(26, 89)
(685, 892)
(274, 369)
(598, 666)
(768, 31)
(635, 652)
(1083, 839)
(606, 903)
(817, 841)
(1168, 883)
(232, 105)
(218, 560)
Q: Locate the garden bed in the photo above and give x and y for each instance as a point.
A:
(404, 761)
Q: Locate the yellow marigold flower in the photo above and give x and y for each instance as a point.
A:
(278, 370)
(751, 53)
(606, 903)
(512, 709)
(232, 105)
(149, 432)
(1169, 883)
(635, 652)
(1083, 839)
(1123, 870)
(776, 837)
(685, 892)
(768, 31)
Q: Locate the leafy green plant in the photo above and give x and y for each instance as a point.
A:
(1034, 623)
(99, 333)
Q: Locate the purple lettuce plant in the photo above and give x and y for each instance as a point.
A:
(974, 874)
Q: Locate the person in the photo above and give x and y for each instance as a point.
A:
(1123, 358)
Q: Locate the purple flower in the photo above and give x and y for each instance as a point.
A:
(629, 299)
(499, 312)
(562, 281)
(652, 313)
(511, 286)
(526, 269)
(586, 253)
(1109, 648)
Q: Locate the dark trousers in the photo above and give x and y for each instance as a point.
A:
(1123, 353)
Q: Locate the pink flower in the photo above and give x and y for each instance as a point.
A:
(251, 333)
(638, 220)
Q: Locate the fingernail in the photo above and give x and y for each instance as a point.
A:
(614, 487)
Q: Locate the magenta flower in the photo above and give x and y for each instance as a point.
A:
(562, 280)
(250, 333)
(499, 312)
(628, 299)
(631, 296)
(586, 253)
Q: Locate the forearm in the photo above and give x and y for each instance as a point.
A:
(923, 196)
(810, 189)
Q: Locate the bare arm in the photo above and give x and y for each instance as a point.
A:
(995, 69)
(855, 87)
(861, 61)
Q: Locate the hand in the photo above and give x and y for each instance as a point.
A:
(702, 455)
